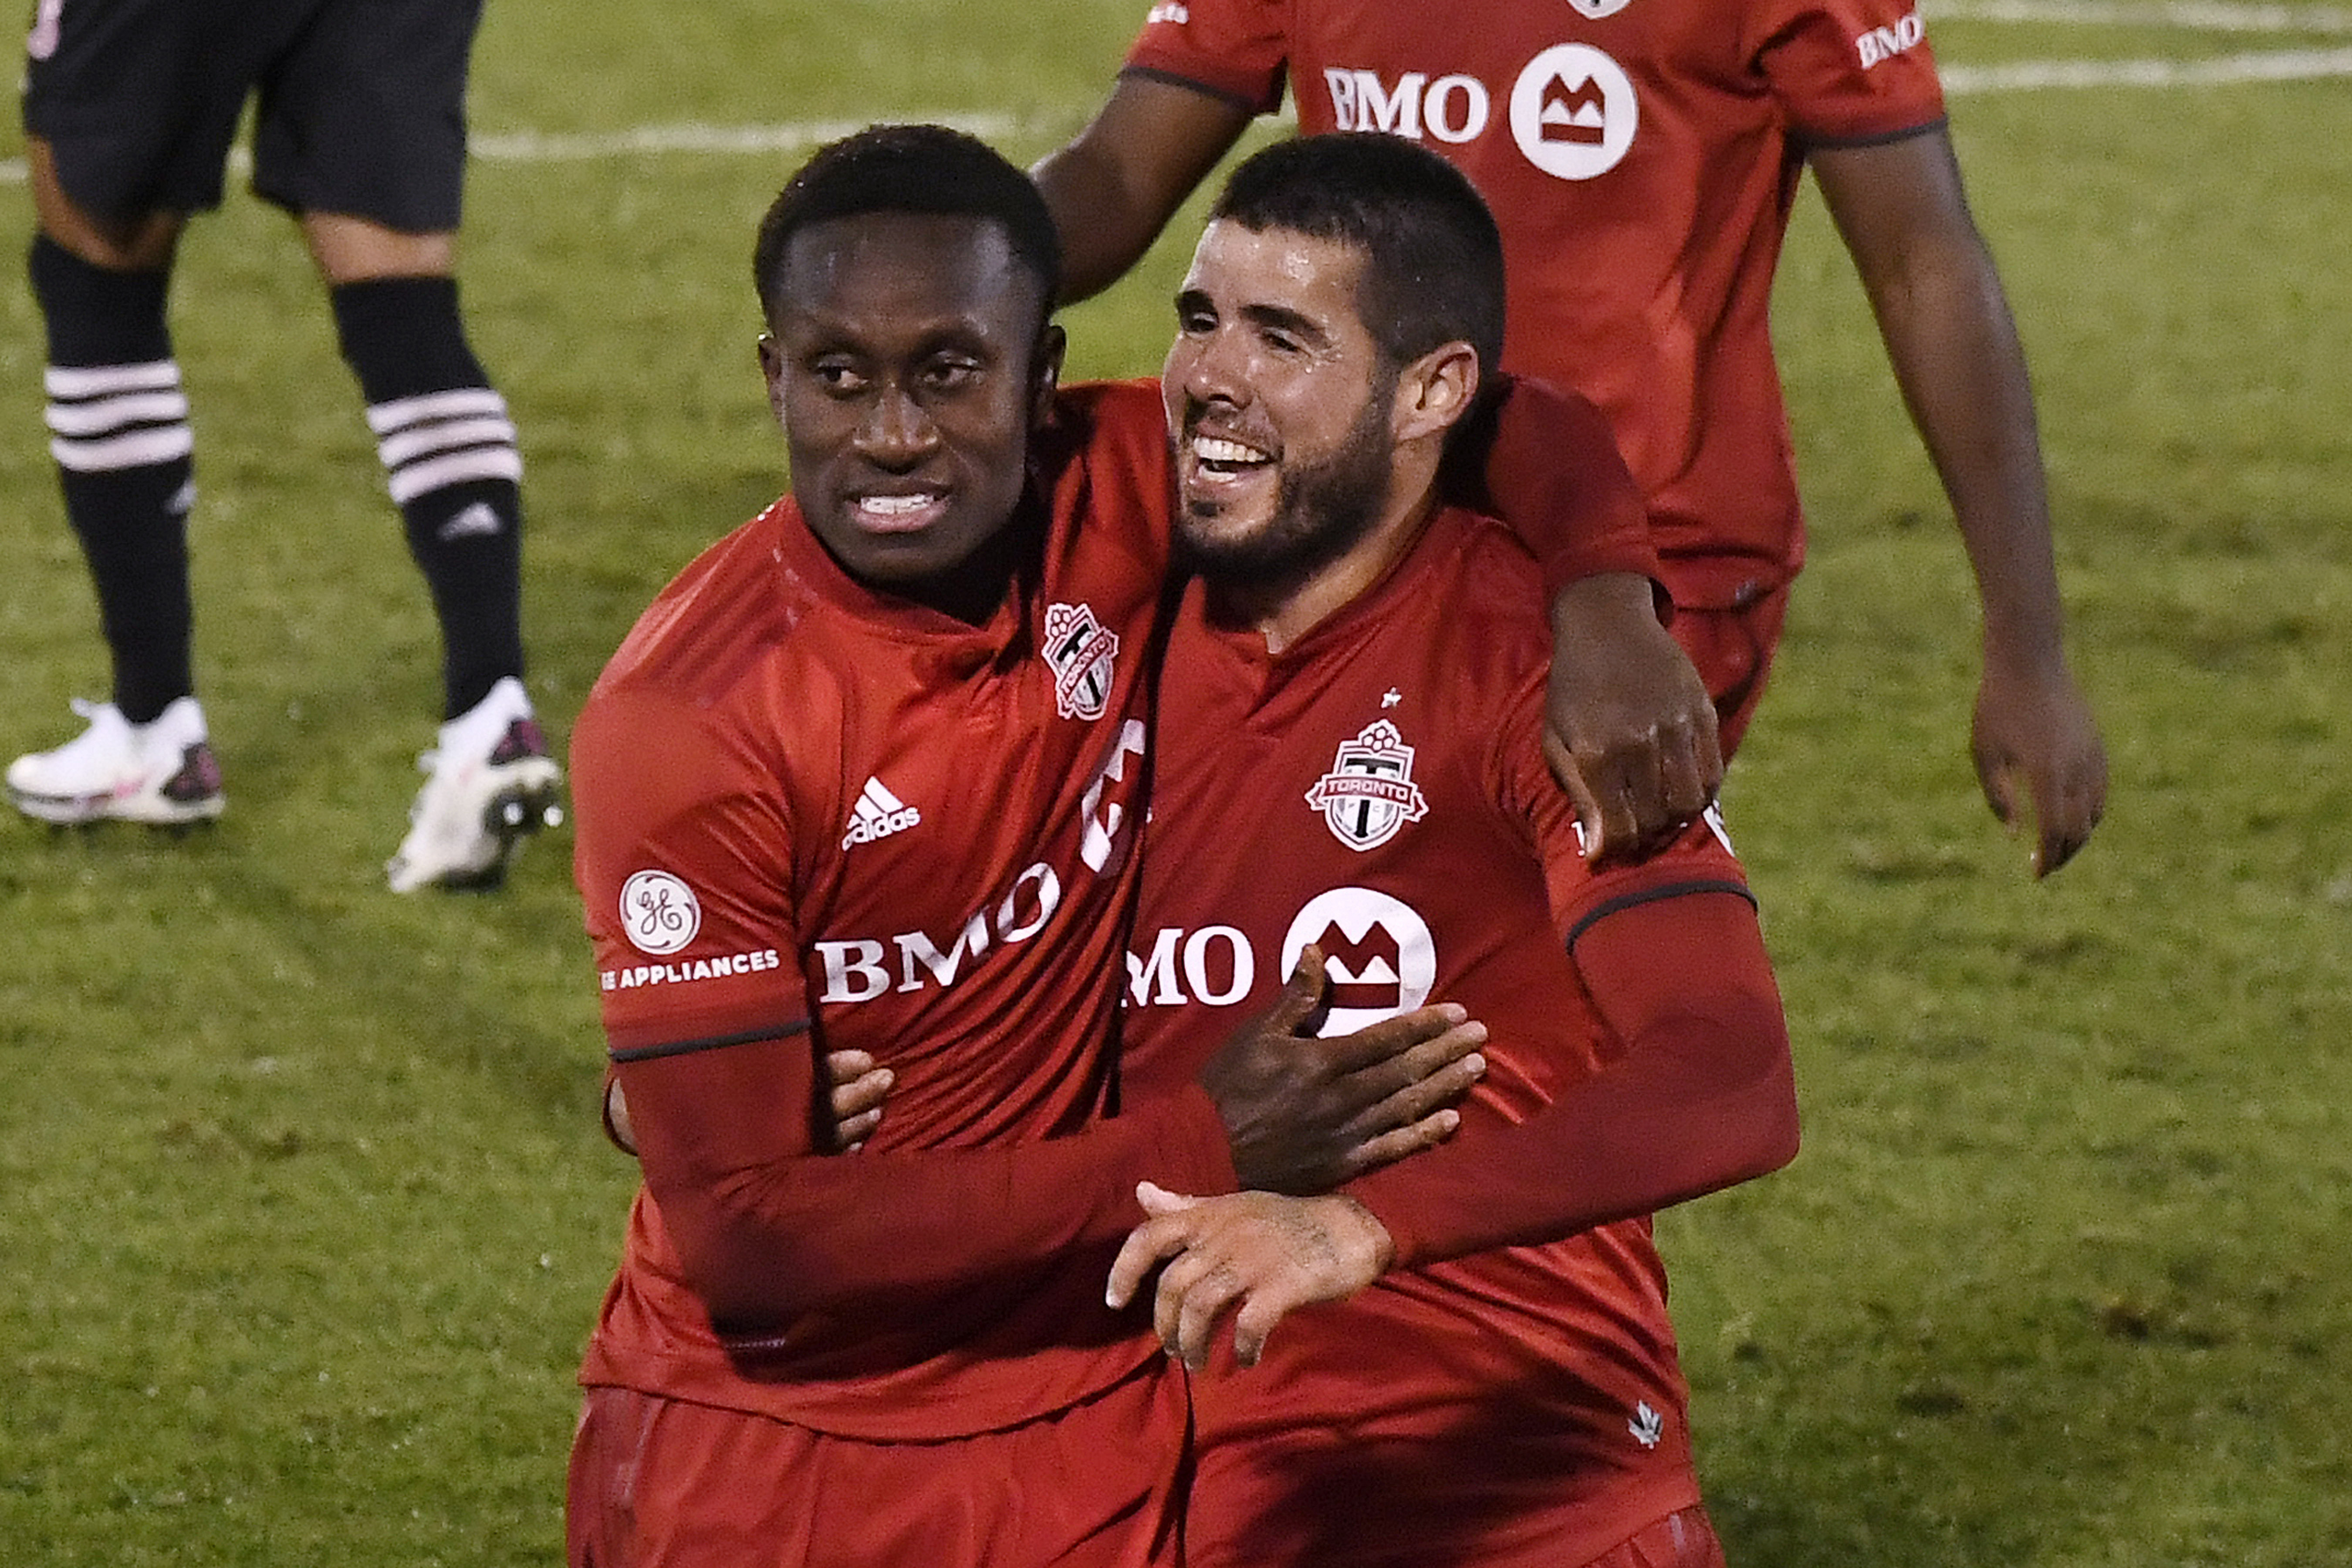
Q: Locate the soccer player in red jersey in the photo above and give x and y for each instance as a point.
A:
(1642, 158)
(866, 778)
(1364, 666)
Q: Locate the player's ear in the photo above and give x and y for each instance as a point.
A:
(772, 368)
(1046, 371)
(1437, 390)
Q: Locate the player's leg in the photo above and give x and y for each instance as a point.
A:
(126, 131)
(360, 135)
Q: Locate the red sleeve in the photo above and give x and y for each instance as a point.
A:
(1849, 71)
(767, 1230)
(1702, 1096)
(1238, 49)
(1551, 471)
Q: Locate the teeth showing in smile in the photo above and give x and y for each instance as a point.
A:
(1216, 452)
(894, 506)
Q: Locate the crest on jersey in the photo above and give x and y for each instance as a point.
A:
(1596, 9)
(1369, 793)
(1080, 650)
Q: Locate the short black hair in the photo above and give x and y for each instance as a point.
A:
(1433, 258)
(910, 169)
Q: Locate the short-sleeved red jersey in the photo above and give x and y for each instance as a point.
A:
(1641, 157)
(1398, 816)
(805, 807)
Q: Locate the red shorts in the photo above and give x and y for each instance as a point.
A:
(1733, 648)
(1321, 1496)
(658, 1483)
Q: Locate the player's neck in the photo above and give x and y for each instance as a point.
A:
(1283, 614)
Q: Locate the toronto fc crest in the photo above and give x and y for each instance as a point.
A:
(1079, 649)
(1369, 793)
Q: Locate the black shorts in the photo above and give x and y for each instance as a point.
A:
(362, 104)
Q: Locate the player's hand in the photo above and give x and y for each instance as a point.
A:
(1257, 1255)
(1630, 729)
(2032, 724)
(859, 1088)
(1306, 1114)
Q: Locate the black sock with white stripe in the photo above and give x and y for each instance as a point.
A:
(448, 451)
(119, 427)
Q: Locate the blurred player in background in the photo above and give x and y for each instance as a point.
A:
(130, 108)
(1642, 159)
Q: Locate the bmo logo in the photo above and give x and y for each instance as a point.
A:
(1572, 111)
(1379, 958)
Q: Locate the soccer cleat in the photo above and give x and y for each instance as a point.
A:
(489, 783)
(161, 772)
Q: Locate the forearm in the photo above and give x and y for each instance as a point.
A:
(1957, 356)
(1702, 1097)
(766, 1229)
(1116, 184)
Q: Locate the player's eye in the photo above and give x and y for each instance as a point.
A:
(948, 373)
(838, 375)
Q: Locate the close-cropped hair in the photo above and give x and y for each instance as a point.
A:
(924, 169)
(1432, 256)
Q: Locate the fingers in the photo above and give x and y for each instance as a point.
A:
(1255, 1321)
(1302, 994)
(1157, 1200)
(859, 1089)
(1146, 1247)
(1591, 824)
(616, 1118)
(2066, 814)
(1406, 1087)
(1400, 1036)
(1389, 1147)
(1994, 777)
(1194, 1292)
(1692, 763)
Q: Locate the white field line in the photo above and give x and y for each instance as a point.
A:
(2189, 16)
(2223, 71)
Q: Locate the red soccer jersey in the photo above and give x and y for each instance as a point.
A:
(1400, 817)
(1640, 157)
(804, 807)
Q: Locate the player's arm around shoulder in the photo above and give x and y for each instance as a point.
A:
(1630, 730)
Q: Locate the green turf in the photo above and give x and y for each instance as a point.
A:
(305, 1213)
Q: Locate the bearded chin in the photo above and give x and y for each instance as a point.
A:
(1321, 512)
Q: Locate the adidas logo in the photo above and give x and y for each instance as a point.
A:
(481, 518)
(879, 813)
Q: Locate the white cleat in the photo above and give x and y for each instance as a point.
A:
(161, 772)
(489, 783)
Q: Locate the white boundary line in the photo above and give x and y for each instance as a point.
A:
(2189, 16)
(2223, 70)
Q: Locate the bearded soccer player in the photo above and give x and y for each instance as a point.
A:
(867, 777)
(1364, 665)
(1642, 159)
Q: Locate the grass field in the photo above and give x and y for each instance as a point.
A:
(303, 1210)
